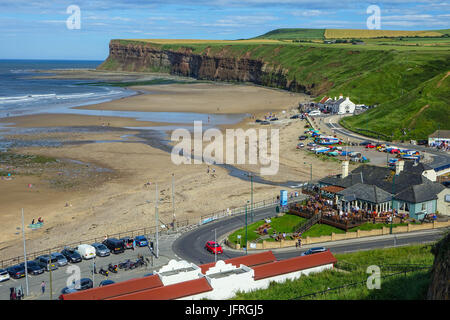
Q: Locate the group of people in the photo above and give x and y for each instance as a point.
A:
(40, 220)
(444, 146)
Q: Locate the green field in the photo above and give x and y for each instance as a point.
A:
(351, 269)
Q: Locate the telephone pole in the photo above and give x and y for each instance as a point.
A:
(173, 203)
(25, 253)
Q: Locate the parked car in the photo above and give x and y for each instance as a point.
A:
(314, 113)
(213, 247)
(47, 262)
(273, 119)
(114, 245)
(314, 250)
(258, 120)
(264, 122)
(17, 271)
(71, 255)
(83, 284)
(300, 145)
(302, 138)
(62, 261)
(295, 116)
(128, 242)
(370, 146)
(141, 241)
(422, 142)
(101, 250)
(4, 275)
(105, 283)
(365, 143)
(33, 267)
(86, 251)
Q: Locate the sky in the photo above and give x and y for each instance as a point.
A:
(38, 29)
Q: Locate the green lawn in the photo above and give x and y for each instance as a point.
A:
(287, 223)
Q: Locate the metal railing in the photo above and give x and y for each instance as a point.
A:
(148, 231)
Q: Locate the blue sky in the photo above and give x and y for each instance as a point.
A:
(34, 29)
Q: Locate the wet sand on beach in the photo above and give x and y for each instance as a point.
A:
(94, 203)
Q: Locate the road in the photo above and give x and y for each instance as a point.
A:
(190, 246)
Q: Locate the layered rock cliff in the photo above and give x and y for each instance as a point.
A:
(142, 57)
(440, 275)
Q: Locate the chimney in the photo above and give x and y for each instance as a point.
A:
(341, 96)
(399, 165)
(344, 169)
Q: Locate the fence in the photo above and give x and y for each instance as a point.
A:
(149, 231)
(354, 284)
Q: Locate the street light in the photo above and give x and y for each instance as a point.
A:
(310, 171)
(246, 239)
(250, 174)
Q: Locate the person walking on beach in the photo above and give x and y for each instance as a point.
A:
(43, 287)
(134, 244)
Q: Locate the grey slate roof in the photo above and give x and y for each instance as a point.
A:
(420, 193)
(410, 185)
(366, 192)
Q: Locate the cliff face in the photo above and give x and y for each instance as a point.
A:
(142, 57)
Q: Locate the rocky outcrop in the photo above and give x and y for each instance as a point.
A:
(142, 57)
(440, 275)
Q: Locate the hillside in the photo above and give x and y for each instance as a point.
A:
(390, 75)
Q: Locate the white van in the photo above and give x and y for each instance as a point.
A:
(86, 251)
(315, 113)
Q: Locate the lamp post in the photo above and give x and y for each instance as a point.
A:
(251, 195)
(310, 171)
(173, 203)
(393, 192)
(25, 252)
(246, 239)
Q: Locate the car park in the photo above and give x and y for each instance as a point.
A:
(16, 272)
(62, 261)
(47, 262)
(86, 251)
(101, 250)
(114, 245)
(141, 241)
(213, 247)
(4, 275)
(128, 242)
(71, 255)
(33, 268)
(313, 251)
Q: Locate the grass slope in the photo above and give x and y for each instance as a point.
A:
(413, 286)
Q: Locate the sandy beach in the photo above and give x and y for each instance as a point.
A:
(111, 186)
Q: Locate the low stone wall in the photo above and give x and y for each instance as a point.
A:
(342, 236)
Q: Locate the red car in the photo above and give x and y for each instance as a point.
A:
(213, 247)
(370, 146)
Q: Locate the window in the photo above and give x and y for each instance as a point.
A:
(424, 206)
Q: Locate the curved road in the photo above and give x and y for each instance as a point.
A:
(190, 246)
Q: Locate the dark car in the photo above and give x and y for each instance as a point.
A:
(258, 120)
(71, 255)
(101, 250)
(33, 267)
(422, 142)
(105, 283)
(17, 271)
(365, 143)
(295, 116)
(264, 122)
(141, 241)
(114, 245)
(274, 119)
(128, 242)
(83, 284)
(314, 250)
(47, 262)
(302, 138)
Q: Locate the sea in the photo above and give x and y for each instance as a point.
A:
(20, 94)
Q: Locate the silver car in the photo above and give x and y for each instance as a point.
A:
(101, 250)
(61, 260)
